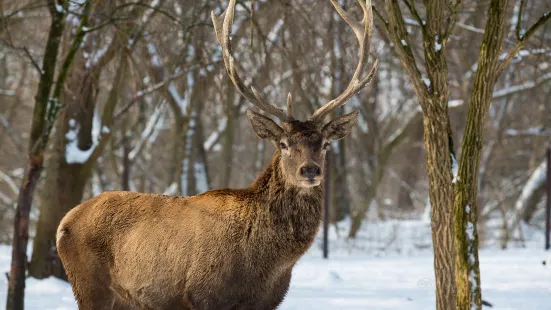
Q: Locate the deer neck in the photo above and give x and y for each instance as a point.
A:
(290, 208)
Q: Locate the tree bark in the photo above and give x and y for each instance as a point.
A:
(65, 182)
(437, 132)
(433, 93)
(39, 137)
(467, 268)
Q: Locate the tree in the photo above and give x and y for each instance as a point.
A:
(453, 185)
(45, 113)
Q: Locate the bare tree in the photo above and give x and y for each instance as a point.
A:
(455, 236)
(44, 116)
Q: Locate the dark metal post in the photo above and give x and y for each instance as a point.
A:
(548, 209)
(326, 202)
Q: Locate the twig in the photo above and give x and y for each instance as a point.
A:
(142, 93)
(16, 139)
(413, 11)
(519, 21)
(523, 39)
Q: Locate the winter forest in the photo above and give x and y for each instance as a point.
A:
(435, 200)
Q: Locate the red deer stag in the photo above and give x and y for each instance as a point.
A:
(223, 249)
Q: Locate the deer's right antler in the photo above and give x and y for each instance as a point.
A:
(222, 26)
(362, 30)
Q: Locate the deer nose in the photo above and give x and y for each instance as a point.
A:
(310, 171)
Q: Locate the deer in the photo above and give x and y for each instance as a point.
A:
(223, 249)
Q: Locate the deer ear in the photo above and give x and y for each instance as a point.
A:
(264, 127)
(340, 127)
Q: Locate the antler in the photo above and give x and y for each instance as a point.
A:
(363, 34)
(222, 26)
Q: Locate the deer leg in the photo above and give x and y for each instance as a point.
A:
(91, 289)
(87, 274)
(120, 305)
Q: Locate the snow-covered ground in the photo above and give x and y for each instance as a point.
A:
(388, 267)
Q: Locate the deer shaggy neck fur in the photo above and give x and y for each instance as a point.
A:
(223, 249)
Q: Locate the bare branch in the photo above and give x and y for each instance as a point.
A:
(16, 139)
(413, 11)
(362, 30)
(11, 183)
(399, 36)
(519, 21)
(222, 26)
(523, 39)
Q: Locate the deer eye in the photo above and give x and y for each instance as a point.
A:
(326, 146)
(283, 146)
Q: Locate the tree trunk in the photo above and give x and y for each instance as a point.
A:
(466, 207)
(433, 93)
(64, 187)
(16, 287)
(65, 181)
(37, 144)
(437, 132)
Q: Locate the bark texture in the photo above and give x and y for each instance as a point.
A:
(433, 95)
(38, 140)
(466, 187)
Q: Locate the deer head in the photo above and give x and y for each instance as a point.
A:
(302, 144)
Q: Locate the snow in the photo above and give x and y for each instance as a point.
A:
(172, 189)
(470, 28)
(455, 103)
(149, 12)
(96, 55)
(360, 275)
(524, 86)
(427, 82)
(273, 34)
(177, 9)
(213, 137)
(470, 236)
(437, 45)
(201, 177)
(455, 169)
(59, 8)
(148, 131)
(534, 182)
(155, 59)
(536, 131)
(73, 154)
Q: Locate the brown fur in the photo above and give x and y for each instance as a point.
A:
(223, 249)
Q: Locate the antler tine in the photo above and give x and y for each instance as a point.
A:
(290, 105)
(222, 27)
(362, 30)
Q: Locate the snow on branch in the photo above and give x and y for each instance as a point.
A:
(511, 89)
(211, 140)
(172, 189)
(150, 127)
(522, 87)
(470, 28)
(533, 131)
(73, 154)
(536, 180)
